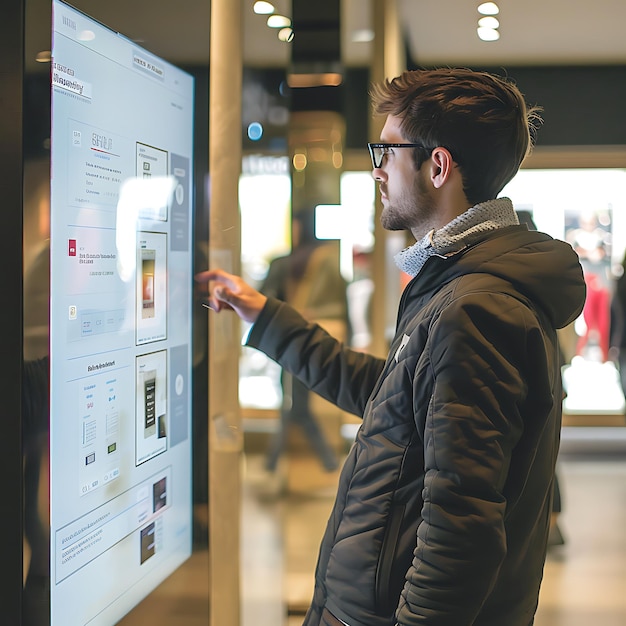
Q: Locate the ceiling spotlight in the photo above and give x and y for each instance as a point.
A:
(278, 21)
(488, 8)
(488, 22)
(488, 34)
(45, 56)
(286, 34)
(263, 8)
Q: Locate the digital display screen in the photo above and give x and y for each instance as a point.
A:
(121, 253)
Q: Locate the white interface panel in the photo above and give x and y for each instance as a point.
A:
(120, 321)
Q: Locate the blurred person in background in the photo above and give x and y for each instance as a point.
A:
(309, 279)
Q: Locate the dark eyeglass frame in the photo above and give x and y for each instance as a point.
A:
(385, 146)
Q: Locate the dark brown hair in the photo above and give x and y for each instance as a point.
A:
(482, 119)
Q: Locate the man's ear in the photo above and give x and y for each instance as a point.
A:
(442, 166)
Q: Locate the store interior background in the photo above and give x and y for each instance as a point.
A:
(570, 60)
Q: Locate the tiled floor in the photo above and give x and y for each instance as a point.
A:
(584, 579)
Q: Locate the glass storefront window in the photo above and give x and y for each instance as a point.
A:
(587, 208)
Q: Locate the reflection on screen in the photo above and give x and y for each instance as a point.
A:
(120, 252)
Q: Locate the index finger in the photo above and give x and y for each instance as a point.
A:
(215, 274)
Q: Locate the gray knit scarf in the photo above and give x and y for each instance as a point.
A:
(452, 237)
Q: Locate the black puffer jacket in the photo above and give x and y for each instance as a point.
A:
(442, 511)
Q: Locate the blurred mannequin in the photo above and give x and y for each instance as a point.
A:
(592, 243)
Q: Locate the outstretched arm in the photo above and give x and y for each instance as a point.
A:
(342, 376)
(227, 291)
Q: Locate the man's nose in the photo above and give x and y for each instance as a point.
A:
(378, 174)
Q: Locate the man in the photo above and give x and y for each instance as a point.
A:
(444, 501)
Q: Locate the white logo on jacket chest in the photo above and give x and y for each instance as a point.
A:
(403, 343)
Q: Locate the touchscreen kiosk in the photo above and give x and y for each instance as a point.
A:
(120, 321)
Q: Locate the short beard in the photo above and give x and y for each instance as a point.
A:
(414, 211)
(391, 220)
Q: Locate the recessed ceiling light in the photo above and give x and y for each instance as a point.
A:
(488, 22)
(278, 21)
(263, 8)
(488, 8)
(488, 34)
(286, 34)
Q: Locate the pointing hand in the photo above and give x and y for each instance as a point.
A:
(227, 291)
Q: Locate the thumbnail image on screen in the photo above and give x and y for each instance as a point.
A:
(147, 276)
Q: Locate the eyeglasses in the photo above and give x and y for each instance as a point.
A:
(379, 150)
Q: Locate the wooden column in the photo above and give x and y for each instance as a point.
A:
(225, 437)
(388, 61)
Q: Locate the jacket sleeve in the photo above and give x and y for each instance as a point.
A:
(478, 355)
(326, 366)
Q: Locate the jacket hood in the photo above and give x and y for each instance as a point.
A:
(544, 270)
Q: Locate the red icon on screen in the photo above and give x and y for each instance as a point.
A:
(71, 250)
